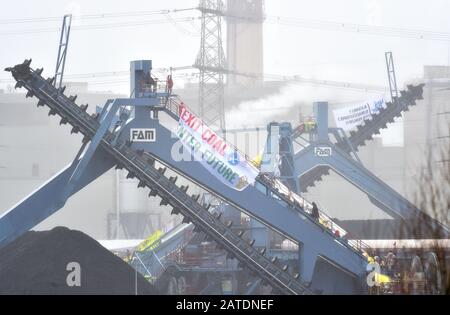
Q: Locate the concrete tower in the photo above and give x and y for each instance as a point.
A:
(245, 39)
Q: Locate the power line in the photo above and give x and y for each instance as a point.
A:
(281, 20)
(93, 16)
(360, 28)
(291, 79)
(120, 73)
(181, 28)
(331, 83)
(99, 26)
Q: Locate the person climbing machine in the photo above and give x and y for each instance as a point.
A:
(169, 84)
(315, 211)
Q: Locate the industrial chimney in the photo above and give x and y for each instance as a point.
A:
(245, 40)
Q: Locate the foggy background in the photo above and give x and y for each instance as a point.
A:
(304, 47)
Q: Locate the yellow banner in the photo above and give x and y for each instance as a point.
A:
(150, 242)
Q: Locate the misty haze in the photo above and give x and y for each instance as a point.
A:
(225, 147)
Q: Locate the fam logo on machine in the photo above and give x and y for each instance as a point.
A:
(323, 151)
(142, 135)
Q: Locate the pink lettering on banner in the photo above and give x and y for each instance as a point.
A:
(208, 136)
(182, 111)
(220, 146)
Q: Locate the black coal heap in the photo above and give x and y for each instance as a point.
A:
(36, 263)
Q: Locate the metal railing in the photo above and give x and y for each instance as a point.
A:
(143, 169)
(324, 220)
(173, 106)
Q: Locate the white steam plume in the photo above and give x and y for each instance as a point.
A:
(276, 106)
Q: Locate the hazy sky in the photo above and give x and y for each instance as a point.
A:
(310, 52)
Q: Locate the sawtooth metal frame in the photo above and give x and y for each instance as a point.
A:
(366, 131)
(104, 146)
(262, 201)
(321, 154)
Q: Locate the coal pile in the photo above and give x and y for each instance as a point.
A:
(36, 263)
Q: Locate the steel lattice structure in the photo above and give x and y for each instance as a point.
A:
(212, 63)
(62, 50)
(391, 76)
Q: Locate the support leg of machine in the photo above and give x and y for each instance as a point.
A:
(307, 260)
(86, 159)
(358, 175)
